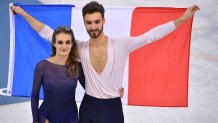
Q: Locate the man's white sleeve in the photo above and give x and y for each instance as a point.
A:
(152, 35)
(46, 33)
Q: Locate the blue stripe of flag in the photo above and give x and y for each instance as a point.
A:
(30, 48)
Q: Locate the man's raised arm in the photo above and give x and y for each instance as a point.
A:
(43, 30)
(160, 31)
(35, 24)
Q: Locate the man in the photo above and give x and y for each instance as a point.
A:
(103, 60)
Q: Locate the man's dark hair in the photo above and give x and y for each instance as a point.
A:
(93, 7)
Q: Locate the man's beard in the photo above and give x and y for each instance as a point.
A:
(96, 34)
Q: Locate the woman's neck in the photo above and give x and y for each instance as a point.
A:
(61, 60)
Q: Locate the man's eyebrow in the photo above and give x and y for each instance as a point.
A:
(97, 20)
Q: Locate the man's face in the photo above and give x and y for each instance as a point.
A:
(94, 24)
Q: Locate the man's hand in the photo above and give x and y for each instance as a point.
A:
(121, 91)
(188, 14)
(17, 10)
(34, 23)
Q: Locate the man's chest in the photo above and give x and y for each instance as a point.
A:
(98, 58)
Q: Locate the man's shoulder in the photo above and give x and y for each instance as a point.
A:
(81, 44)
(121, 39)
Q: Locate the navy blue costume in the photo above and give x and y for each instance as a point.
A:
(59, 105)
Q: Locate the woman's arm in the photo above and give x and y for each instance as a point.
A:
(37, 80)
(81, 76)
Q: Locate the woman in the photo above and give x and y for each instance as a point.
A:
(58, 76)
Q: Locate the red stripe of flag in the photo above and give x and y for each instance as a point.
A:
(158, 72)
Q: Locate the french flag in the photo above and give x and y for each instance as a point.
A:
(155, 75)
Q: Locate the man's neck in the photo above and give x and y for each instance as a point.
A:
(100, 41)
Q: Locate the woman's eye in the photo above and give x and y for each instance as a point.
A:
(60, 42)
(68, 42)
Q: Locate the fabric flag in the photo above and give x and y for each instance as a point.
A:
(155, 75)
(158, 73)
(27, 48)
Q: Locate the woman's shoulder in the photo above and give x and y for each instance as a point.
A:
(41, 63)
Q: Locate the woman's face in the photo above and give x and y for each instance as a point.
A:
(63, 44)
